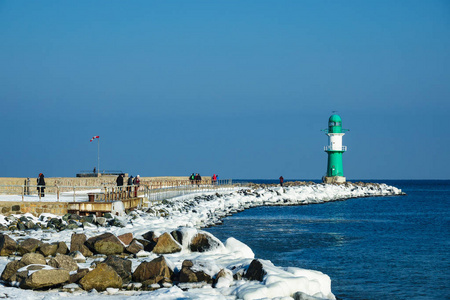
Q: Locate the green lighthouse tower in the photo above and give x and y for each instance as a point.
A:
(335, 171)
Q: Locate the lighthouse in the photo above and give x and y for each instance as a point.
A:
(335, 171)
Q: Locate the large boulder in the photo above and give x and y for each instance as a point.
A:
(177, 236)
(10, 270)
(101, 278)
(148, 245)
(188, 275)
(8, 246)
(65, 262)
(255, 271)
(303, 296)
(150, 236)
(106, 243)
(77, 256)
(33, 259)
(10, 273)
(126, 238)
(153, 271)
(75, 277)
(223, 279)
(166, 244)
(121, 266)
(135, 247)
(29, 245)
(47, 249)
(45, 278)
(62, 248)
(77, 243)
(203, 242)
(149, 240)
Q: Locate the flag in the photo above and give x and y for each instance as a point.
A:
(95, 137)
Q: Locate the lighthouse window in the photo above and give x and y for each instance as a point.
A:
(334, 123)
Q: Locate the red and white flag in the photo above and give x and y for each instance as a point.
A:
(95, 137)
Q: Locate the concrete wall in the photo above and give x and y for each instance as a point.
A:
(35, 208)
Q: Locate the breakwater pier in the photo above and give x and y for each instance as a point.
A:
(97, 195)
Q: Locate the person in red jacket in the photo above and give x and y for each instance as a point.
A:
(281, 180)
(136, 182)
(214, 179)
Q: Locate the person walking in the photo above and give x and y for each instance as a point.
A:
(119, 180)
(129, 184)
(281, 180)
(214, 179)
(198, 179)
(41, 185)
(137, 182)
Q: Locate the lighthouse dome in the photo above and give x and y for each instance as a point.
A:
(334, 124)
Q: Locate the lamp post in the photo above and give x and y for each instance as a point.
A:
(98, 152)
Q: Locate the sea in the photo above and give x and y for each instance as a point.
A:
(394, 247)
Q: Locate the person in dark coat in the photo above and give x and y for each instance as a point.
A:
(198, 179)
(129, 183)
(119, 180)
(281, 180)
(41, 185)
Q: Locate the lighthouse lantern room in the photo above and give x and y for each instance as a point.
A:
(335, 173)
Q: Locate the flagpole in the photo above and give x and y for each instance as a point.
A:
(98, 156)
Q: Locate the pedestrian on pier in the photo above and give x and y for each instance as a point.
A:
(214, 179)
(41, 185)
(129, 184)
(119, 180)
(281, 180)
(136, 182)
(198, 179)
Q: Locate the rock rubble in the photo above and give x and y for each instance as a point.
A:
(34, 270)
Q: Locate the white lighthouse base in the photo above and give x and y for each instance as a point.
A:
(334, 179)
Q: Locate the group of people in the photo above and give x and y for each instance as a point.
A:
(131, 181)
(196, 178)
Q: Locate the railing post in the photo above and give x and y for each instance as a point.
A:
(73, 193)
(23, 192)
(57, 193)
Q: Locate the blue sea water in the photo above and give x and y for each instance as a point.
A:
(372, 248)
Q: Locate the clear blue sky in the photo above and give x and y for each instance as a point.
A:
(237, 88)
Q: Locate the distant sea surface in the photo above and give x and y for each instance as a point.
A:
(372, 248)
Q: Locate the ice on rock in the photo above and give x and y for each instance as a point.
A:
(226, 280)
(207, 266)
(238, 248)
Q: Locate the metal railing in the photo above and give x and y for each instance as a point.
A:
(68, 193)
(164, 193)
(331, 148)
(152, 190)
